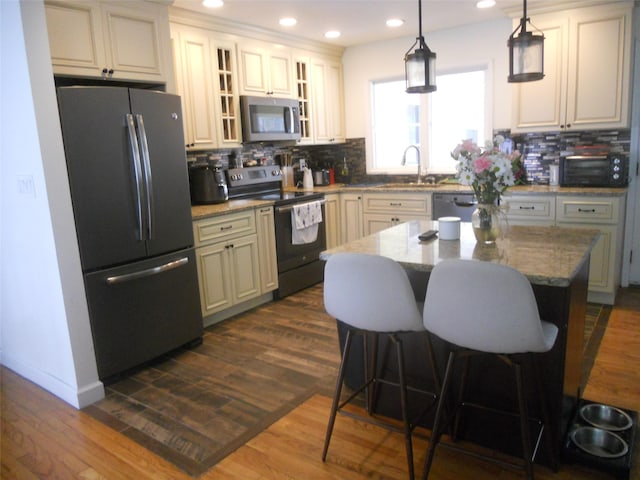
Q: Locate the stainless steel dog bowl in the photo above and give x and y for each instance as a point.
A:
(598, 442)
(605, 416)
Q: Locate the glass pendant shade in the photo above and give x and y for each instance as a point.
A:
(420, 70)
(526, 57)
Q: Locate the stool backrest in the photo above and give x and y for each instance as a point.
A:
(370, 292)
(486, 307)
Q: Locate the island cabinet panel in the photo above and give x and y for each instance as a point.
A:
(122, 41)
(587, 72)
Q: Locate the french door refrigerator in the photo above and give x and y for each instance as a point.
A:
(130, 193)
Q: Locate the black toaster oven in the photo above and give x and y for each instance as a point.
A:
(602, 170)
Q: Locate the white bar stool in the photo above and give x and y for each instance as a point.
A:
(485, 308)
(372, 295)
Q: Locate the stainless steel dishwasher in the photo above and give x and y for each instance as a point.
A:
(454, 205)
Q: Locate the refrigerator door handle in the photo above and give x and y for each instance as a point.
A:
(146, 172)
(137, 172)
(147, 272)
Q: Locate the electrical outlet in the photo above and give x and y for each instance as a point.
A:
(26, 185)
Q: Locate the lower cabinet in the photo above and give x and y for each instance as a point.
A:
(605, 214)
(236, 259)
(529, 209)
(384, 210)
(332, 219)
(351, 222)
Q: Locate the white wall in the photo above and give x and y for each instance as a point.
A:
(45, 330)
(473, 45)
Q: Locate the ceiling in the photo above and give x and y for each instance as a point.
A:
(363, 21)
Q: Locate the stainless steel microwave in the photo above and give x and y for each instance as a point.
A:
(267, 119)
(605, 170)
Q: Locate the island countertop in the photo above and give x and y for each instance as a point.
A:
(545, 255)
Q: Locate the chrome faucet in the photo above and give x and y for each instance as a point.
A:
(404, 160)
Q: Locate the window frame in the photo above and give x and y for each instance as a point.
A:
(425, 124)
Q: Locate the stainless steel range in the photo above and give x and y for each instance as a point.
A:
(299, 265)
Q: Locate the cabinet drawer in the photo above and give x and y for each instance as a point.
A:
(397, 203)
(596, 210)
(224, 227)
(530, 208)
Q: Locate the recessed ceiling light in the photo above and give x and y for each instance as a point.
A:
(395, 22)
(486, 3)
(288, 21)
(332, 34)
(212, 3)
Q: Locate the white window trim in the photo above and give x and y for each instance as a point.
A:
(487, 66)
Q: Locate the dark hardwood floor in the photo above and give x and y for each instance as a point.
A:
(42, 437)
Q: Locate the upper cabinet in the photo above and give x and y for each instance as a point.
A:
(265, 70)
(119, 41)
(327, 100)
(587, 54)
(205, 73)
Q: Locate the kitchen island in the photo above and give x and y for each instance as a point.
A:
(556, 262)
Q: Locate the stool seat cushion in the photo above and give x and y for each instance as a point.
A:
(370, 292)
(486, 307)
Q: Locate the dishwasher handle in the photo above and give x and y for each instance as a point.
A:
(458, 203)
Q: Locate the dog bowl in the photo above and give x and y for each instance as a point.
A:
(606, 417)
(598, 442)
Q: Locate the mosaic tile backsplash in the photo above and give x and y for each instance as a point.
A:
(539, 149)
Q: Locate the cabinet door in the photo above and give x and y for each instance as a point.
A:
(194, 53)
(133, 42)
(265, 72)
(598, 92)
(332, 220)
(334, 102)
(375, 222)
(541, 105)
(75, 38)
(351, 217)
(267, 249)
(227, 95)
(326, 86)
(214, 274)
(245, 274)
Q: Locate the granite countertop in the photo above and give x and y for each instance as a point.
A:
(545, 255)
(202, 211)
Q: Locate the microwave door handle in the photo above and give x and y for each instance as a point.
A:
(288, 120)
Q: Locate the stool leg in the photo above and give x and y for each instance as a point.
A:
(403, 405)
(524, 421)
(337, 393)
(372, 389)
(458, 404)
(437, 422)
(548, 430)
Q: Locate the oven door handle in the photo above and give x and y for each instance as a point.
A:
(288, 208)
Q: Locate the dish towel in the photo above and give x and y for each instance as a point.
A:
(305, 218)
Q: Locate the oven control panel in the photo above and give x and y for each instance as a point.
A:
(237, 177)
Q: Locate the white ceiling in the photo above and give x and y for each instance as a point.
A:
(363, 21)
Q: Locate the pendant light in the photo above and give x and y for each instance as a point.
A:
(420, 66)
(526, 53)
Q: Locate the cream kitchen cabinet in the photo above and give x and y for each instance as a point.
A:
(332, 219)
(118, 41)
(351, 220)
(587, 72)
(265, 70)
(327, 101)
(303, 94)
(607, 215)
(384, 210)
(228, 260)
(529, 209)
(267, 249)
(205, 73)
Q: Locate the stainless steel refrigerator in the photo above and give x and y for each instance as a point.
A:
(130, 193)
